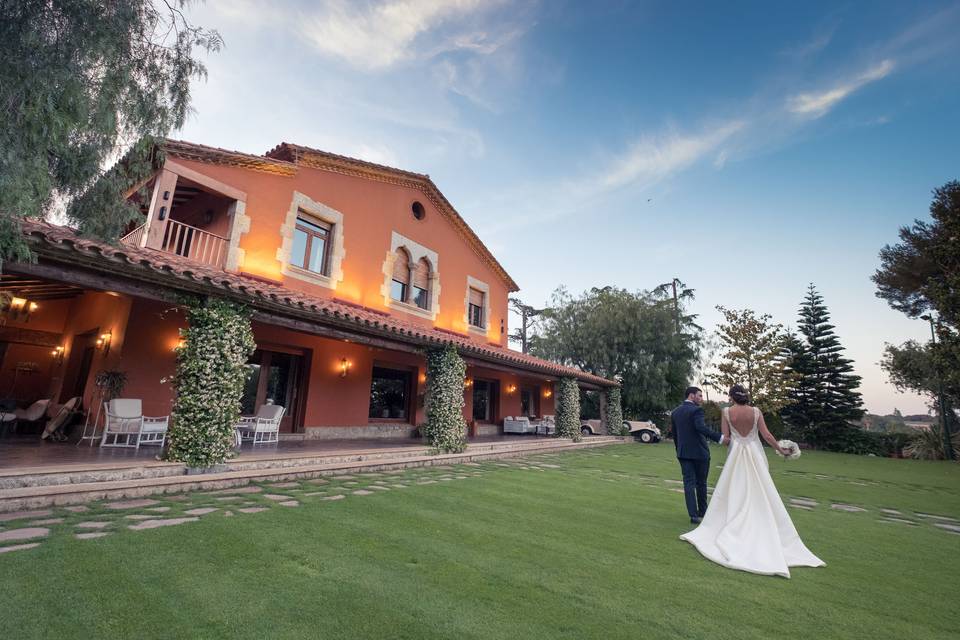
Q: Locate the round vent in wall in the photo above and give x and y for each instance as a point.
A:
(418, 211)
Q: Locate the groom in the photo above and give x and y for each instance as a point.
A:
(690, 438)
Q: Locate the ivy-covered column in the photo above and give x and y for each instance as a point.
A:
(568, 410)
(211, 371)
(613, 419)
(445, 428)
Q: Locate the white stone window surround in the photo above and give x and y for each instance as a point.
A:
(302, 203)
(416, 252)
(479, 285)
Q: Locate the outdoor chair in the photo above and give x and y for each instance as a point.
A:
(55, 425)
(34, 413)
(125, 419)
(263, 428)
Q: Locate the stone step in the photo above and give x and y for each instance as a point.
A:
(66, 493)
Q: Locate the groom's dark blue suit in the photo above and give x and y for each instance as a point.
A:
(690, 435)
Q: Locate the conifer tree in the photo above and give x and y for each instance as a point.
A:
(825, 396)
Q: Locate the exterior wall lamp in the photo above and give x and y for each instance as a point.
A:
(103, 342)
(57, 355)
(468, 383)
(344, 367)
(511, 389)
(547, 393)
(16, 309)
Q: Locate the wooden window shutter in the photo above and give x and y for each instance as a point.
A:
(401, 267)
(421, 274)
(476, 297)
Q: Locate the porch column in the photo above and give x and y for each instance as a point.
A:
(603, 410)
(159, 214)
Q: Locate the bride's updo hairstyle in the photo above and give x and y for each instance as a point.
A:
(739, 394)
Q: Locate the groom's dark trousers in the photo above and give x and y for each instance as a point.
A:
(690, 435)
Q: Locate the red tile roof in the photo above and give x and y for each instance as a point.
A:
(62, 244)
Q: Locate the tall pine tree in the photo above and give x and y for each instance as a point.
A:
(825, 396)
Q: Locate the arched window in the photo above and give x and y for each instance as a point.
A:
(421, 284)
(400, 286)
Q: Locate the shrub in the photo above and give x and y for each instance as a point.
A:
(568, 410)
(445, 428)
(614, 413)
(211, 371)
(927, 444)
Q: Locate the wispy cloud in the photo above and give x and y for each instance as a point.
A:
(815, 104)
(377, 36)
(820, 40)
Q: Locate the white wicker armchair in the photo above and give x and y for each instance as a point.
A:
(125, 419)
(263, 428)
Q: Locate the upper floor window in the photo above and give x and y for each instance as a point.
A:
(475, 308)
(421, 284)
(400, 285)
(311, 245)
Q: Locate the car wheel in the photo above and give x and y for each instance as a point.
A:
(586, 431)
(646, 437)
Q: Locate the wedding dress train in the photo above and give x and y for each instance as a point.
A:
(746, 526)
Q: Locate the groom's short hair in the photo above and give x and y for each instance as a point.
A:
(690, 391)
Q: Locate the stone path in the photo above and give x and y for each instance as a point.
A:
(25, 530)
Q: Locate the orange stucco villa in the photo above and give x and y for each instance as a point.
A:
(351, 269)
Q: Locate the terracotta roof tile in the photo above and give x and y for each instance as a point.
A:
(49, 238)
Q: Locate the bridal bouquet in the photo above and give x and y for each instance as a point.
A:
(793, 450)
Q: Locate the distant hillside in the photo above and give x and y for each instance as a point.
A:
(895, 422)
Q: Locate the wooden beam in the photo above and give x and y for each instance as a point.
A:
(325, 331)
(90, 280)
(206, 181)
(30, 336)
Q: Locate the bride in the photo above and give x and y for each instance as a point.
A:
(746, 526)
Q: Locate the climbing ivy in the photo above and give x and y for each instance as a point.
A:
(445, 428)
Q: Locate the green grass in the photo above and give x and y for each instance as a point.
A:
(585, 550)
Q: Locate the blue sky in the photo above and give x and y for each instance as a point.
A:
(746, 148)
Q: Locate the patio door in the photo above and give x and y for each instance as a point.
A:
(275, 377)
(485, 401)
(78, 365)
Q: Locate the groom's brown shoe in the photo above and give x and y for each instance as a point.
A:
(695, 520)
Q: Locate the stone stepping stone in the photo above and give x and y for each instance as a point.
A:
(17, 515)
(847, 507)
(276, 497)
(319, 481)
(800, 506)
(821, 477)
(339, 496)
(399, 486)
(228, 513)
(444, 479)
(252, 509)
(362, 492)
(139, 516)
(903, 520)
(891, 512)
(93, 525)
(158, 509)
(933, 517)
(250, 488)
(77, 508)
(19, 547)
(90, 536)
(952, 528)
(806, 502)
(427, 482)
(351, 483)
(153, 524)
(379, 488)
(676, 490)
(48, 521)
(289, 503)
(201, 511)
(549, 466)
(674, 481)
(24, 534)
(314, 493)
(284, 485)
(131, 504)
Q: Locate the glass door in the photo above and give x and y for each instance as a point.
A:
(274, 377)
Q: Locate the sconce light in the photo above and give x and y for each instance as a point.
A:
(468, 383)
(163, 213)
(208, 216)
(181, 343)
(511, 388)
(423, 378)
(103, 342)
(57, 355)
(166, 195)
(16, 309)
(344, 367)
(547, 393)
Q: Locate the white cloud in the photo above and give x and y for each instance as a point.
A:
(378, 36)
(818, 103)
(652, 159)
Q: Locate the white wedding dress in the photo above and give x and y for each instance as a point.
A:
(746, 526)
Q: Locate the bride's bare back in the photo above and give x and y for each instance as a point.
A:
(741, 417)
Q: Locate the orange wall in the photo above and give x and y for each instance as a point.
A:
(371, 212)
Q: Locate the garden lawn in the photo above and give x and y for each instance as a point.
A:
(579, 545)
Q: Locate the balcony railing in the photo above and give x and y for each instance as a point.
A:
(134, 237)
(187, 242)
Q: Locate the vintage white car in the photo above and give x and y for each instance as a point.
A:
(643, 430)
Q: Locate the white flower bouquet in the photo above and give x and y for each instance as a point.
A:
(791, 447)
